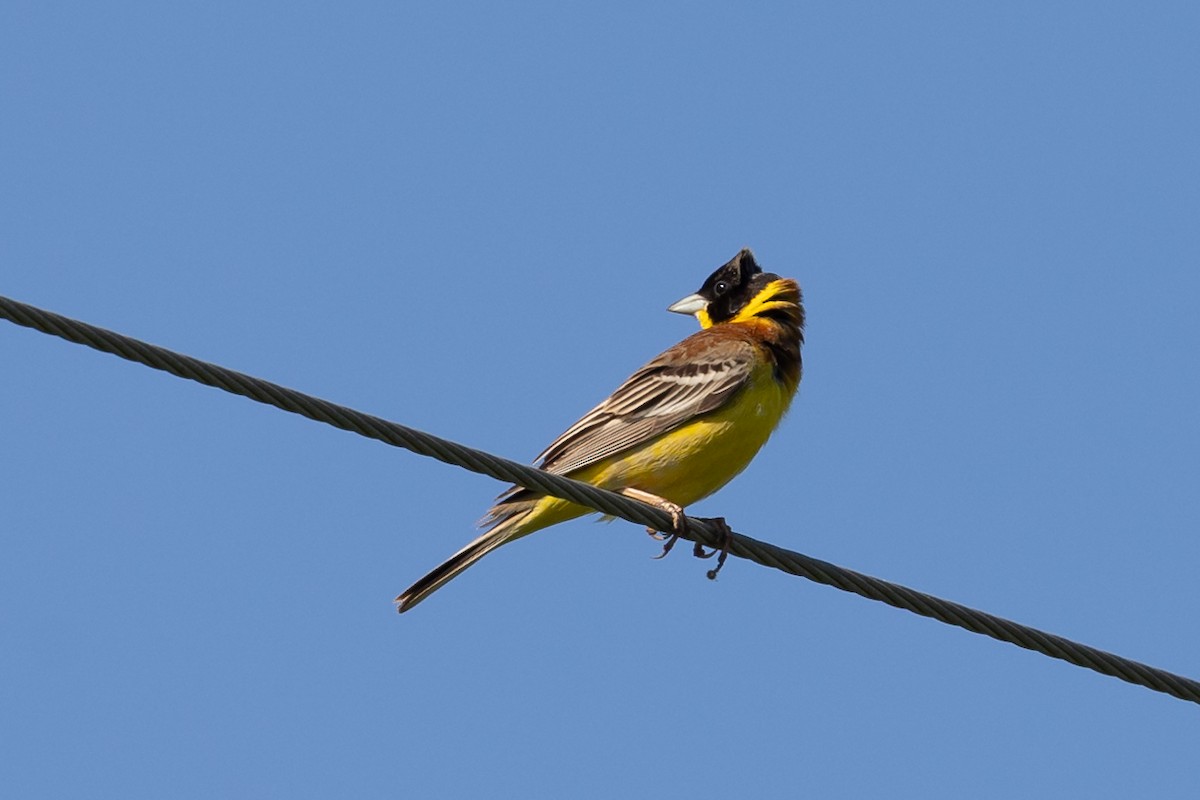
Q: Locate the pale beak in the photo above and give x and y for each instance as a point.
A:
(691, 304)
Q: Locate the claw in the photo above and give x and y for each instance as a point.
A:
(670, 542)
(679, 525)
(657, 535)
(723, 550)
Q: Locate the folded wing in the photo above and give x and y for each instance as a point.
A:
(661, 396)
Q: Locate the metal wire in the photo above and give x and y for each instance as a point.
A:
(605, 501)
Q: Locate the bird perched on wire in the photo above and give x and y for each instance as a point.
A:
(680, 427)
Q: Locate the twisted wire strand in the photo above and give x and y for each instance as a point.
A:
(700, 530)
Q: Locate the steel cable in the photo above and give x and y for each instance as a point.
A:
(602, 500)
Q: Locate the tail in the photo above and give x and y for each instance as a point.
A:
(508, 519)
(518, 512)
(452, 566)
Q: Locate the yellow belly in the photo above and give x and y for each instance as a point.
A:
(689, 463)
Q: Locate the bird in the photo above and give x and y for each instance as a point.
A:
(679, 428)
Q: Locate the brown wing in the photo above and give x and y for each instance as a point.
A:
(696, 376)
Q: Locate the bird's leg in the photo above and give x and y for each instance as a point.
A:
(679, 527)
(726, 540)
(678, 518)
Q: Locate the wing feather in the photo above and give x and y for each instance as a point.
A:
(679, 385)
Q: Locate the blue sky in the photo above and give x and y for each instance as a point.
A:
(469, 218)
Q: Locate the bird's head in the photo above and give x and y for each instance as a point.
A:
(738, 289)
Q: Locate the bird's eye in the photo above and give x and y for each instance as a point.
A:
(721, 288)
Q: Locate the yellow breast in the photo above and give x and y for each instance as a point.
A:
(698, 458)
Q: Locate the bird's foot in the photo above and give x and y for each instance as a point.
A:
(679, 527)
(723, 550)
(678, 518)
